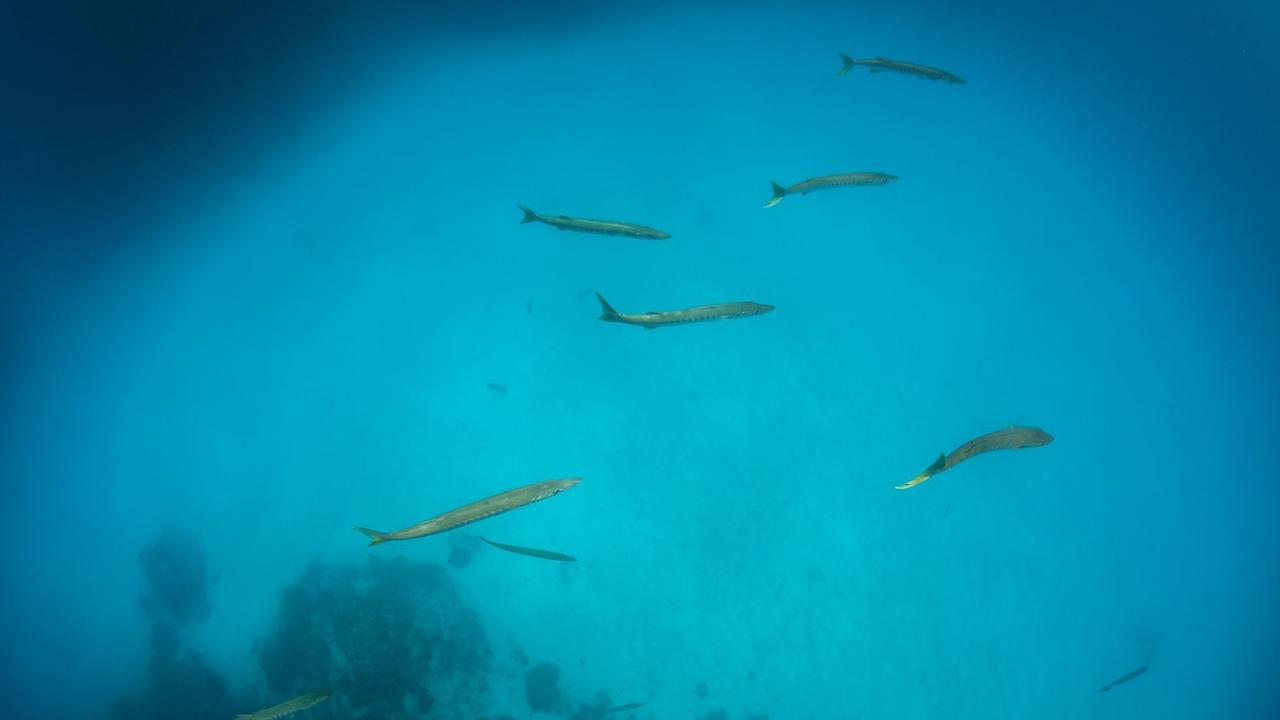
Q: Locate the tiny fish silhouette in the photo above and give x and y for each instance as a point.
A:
(500, 389)
(1123, 679)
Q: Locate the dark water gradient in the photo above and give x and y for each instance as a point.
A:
(118, 119)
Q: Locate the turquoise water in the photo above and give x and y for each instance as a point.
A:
(262, 323)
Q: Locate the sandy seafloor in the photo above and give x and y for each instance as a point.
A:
(301, 342)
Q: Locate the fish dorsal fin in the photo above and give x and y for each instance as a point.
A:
(937, 464)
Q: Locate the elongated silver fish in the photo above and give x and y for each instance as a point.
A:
(479, 510)
(662, 318)
(600, 227)
(1011, 438)
(288, 707)
(881, 64)
(531, 552)
(826, 182)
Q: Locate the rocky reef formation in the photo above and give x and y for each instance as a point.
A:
(179, 683)
(389, 637)
(542, 687)
(177, 581)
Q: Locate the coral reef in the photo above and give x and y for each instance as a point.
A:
(542, 686)
(173, 564)
(389, 637)
(179, 683)
(462, 548)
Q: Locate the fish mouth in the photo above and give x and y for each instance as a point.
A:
(764, 308)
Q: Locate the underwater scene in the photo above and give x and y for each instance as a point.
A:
(656, 360)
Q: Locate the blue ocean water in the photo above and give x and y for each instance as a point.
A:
(262, 266)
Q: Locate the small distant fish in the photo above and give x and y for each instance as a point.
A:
(585, 292)
(531, 552)
(601, 227)
(1124, 679)
(528, 306)
(878, 64)
(479, 510)
(826, 182)
(1010, 438)
(500, 389)
(288, 707)
(663, 318)
(591, 713)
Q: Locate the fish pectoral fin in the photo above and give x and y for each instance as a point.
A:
(650, 327)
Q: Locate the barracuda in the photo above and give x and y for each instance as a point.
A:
(827, 182)
(1010, 438)
(531, 552)
(288, 707)
(663, 318)
(479, 510)
(884, 64)
(599, 227)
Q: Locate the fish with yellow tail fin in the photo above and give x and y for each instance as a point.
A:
(938, 466)
(827, 182)
(478, 510)
(1011, 438)
(289, 707)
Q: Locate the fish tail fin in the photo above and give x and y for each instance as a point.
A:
(848, 65)
(937, 467)
(529, 215)
(607, 313)
(913, 481)
(376, 538)
(779, 192)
